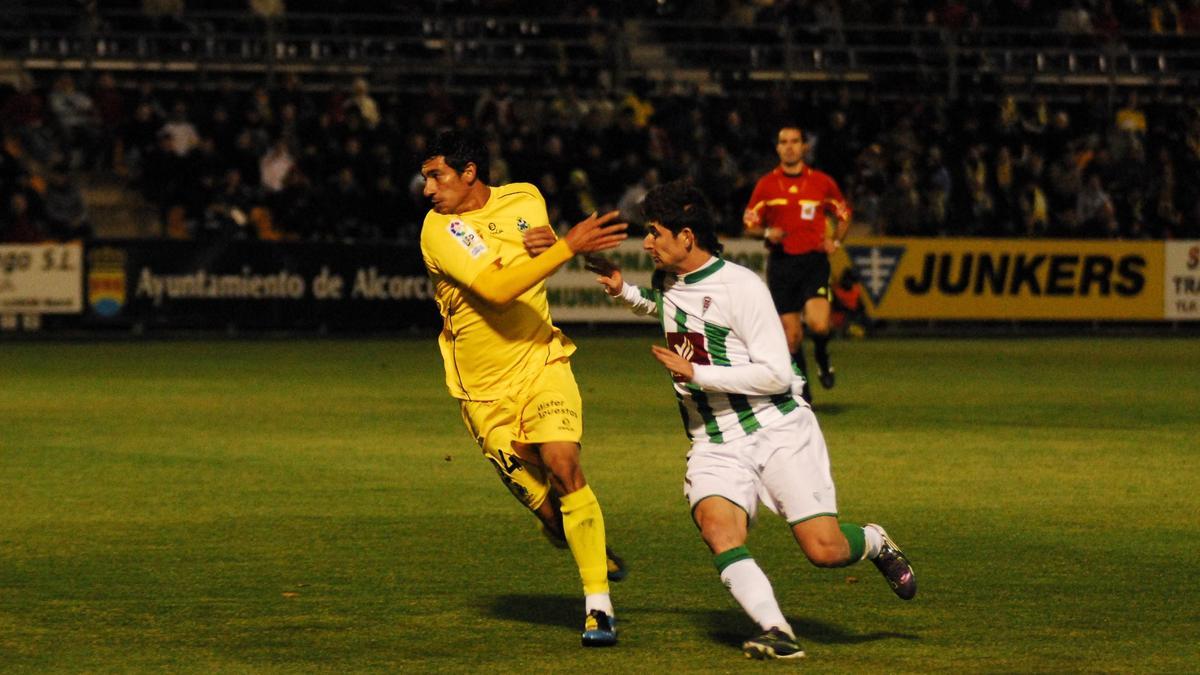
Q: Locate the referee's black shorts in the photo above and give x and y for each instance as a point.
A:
(794, 279)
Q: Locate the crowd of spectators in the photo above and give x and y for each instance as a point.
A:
(285, 162)
(290, 161)
(1079, 16)
(1102, 19)
(382, 29)
(44, 138)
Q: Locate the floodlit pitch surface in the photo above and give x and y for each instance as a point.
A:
(285, 506)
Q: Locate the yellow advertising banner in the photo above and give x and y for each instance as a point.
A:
(972, 279)
(998, 279)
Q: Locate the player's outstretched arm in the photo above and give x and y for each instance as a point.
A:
(607, 273)
(499, 286)
(538, 239)
(596, 233)
(591, 235)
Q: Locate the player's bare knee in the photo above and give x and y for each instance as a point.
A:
(721, 526)
(562, 463)
(568, 482)
(566, 475)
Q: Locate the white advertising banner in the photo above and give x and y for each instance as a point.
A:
(41, 278)
(1181, 287)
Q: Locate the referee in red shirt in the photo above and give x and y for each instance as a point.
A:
(788, 209)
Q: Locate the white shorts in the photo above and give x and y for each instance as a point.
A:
(785, 465)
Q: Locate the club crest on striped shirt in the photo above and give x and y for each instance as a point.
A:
(707, 303)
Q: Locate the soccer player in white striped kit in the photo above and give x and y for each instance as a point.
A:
(753, 437)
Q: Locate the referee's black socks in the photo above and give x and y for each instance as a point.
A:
(821, 351)
(798, 358)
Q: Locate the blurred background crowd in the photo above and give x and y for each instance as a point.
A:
(281, 159)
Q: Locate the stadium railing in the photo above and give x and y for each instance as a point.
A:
(936, 59)
(465, 52)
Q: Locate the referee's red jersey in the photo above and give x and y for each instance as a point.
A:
(798, 205)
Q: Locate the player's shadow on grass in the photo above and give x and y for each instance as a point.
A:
(727, 626)
(731, 627)
(548, 610)
(830, 409)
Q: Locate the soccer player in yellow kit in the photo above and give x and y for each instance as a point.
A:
(506, 363)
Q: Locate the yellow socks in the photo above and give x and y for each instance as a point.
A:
(583, 525)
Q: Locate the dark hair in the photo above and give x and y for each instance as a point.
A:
(787, 124)
(461, 147)
(680, 204)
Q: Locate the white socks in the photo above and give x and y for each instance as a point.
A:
(874, 542)
(751, 588)
(599, 601)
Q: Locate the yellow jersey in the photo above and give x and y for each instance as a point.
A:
(489, 351)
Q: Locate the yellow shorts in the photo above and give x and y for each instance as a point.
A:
(547, 408)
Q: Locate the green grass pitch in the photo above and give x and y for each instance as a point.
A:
(316, 506)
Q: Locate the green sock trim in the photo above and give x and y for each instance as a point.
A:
(723, 560)
(858, 542)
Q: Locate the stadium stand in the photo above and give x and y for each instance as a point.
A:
(937, 118)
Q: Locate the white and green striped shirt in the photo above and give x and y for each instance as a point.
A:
(721, 318)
